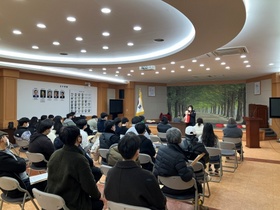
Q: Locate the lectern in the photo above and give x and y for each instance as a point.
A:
(252, 132)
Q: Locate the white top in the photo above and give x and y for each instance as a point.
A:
(85, 141)
(198, 129)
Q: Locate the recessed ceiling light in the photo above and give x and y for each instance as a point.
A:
(172, 71)
(105, 33)
(17, 32)
(172, 62)
(189, 70)
(104, 72)
(104, 69)
(79, 38)
(156, 72)
(35, 47)
(56, 43)
(119, 67)
(106, 10)
(245, 61)
(207, 69)
(83, 51)
(201, 65)
(248, 66)
(194, 60)
(142, 73)
(163, 68)
(137, 28)
(117, 72)
(131, 70)
(129, 74)
(90, 69)
(105, 47)
(223, 63)
(130, 44)
(227, 67)
(41, 25)
(271, 64)
(242, 56)
(71, 19)
(182, 67)
(217, 59)
(116, 75)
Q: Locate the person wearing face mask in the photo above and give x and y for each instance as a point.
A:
(40, 143)
(14, 166)
(70, 175)
(22, 133)
(189, 117)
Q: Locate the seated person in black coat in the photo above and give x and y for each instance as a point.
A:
(127, 183)
(146, 145)
(163, 126)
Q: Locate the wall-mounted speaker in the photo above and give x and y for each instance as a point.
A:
(121, 93)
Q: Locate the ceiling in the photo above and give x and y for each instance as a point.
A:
(173, 34)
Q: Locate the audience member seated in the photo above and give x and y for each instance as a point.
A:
(171, 161)
(33, 124)
(101, 121)
(108, 137)
(51, 116)
(163, 126)
(132, 129)
(124, 127)
(93, 123)
(69, 119)
(57, 124)
(177, 119)
(86, 145)
(22, 133)
(70, 176)
(193, 147)
(209, 139)
(130, 184)
(142, 117)
(14, 166)
(198, 127)
(146, 145)
(118, 124)
(40, 143)
(113, 155)
(58, 144)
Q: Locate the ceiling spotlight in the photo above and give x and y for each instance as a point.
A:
(131, 70)
(117, 72)
(223, 63)
(163, 68)
(156, 72)
(194, 60)
(104, 72)
(129, 74)
(41, 25)
(116, 75)
(172, 62)
(119, 67)
(182, 67)
(227, 67)
(106, 10)
(189, 70)
(217, 59)
(104, 69)
(79, 38)
(90, 69)
(271, 64)
(248, 66)
(245, 61)
(142, 73)
(207, 69)
(172, 71)
(137, 28)
(35, 47)
(105, 47)
(106, 33)
(130, 44)
(17, 32)
(56, 43)
(83, 51)
(242, 56)
(71, 19)
(201, 65)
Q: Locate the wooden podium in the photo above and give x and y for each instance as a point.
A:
(252, 132)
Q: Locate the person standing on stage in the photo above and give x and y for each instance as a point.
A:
(189, 117)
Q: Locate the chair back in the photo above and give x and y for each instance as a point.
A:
(49, 201)
(161, 135)
(35, 157)
(144, 158)
(233, 140)
(176, 183)
(121, 206)
(105, 169)
(154, 138)
(227, 146)
(8, 183)
(103, 152)
(22, 143)
(213, 151)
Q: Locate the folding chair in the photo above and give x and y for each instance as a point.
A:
(144, 158)
(22, 144)
(36, 158)
(162, 137)
(176, 183)
(228, 149)
(214, 152)
(238, 145)
(104, 169)
(156, 140)
(121, 206)
(48, 201)
(103, 153)
(9, 184)
(201, 177)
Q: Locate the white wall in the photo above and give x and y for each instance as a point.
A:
(262, 98)
(153, 105)
(81, 99)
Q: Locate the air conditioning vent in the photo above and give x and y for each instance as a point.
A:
(230, 51)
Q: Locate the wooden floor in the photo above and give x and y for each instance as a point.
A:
(255, 184)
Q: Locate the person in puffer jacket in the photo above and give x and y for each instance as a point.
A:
(171, 161)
